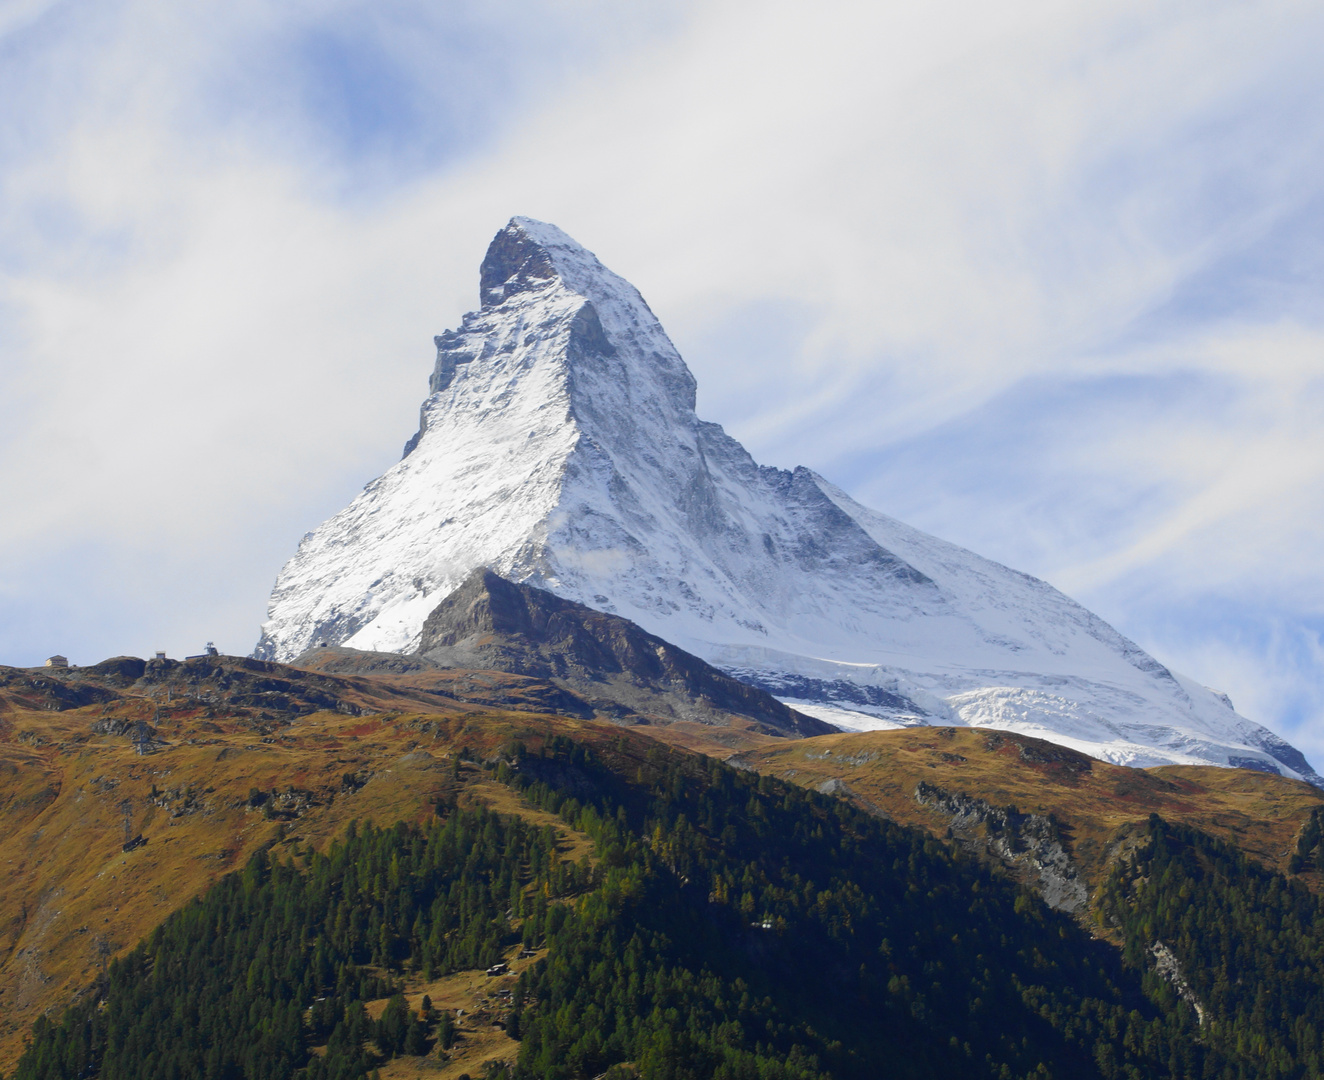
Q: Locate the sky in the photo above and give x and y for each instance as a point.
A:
(1043, 278)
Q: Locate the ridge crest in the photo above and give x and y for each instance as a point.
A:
(559, 447)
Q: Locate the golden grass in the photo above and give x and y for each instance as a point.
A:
(1096, 804)
(71, 899)
(480, 1039)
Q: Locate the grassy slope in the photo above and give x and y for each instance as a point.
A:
(1098, 805)
(68, 892)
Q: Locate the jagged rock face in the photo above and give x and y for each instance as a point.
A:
(1031, 845)
(559, 447)
(604, 659)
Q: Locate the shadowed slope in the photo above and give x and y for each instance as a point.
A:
(1054, 816)
(614, 664)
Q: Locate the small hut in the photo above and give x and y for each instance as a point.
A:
(57, 661)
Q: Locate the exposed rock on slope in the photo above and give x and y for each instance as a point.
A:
(1054, 817)
(559, 446)
(608, 661)
(269, 696)
(1032, 840)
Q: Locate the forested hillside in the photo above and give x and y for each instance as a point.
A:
(730, 925)
(1248, 946)
(662, 913)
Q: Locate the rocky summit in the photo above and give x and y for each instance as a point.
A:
(559, 447)
(614, 664)
(580, 662)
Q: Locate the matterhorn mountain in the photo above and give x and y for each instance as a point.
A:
(559, 448)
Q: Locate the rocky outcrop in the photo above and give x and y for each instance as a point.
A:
(1030, 844)
(616, 666)
(54, 690)
(1169, 968)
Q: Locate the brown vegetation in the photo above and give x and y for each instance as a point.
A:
(216, 758)
(210, 791)
(1097, 806)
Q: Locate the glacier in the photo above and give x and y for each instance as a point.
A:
(559, 446)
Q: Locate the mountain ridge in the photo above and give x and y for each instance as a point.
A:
(559, 446)
(489, 622)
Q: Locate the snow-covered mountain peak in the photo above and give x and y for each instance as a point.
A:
(528, 255)
(517, 261)
(536, 278)
(559, 447)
